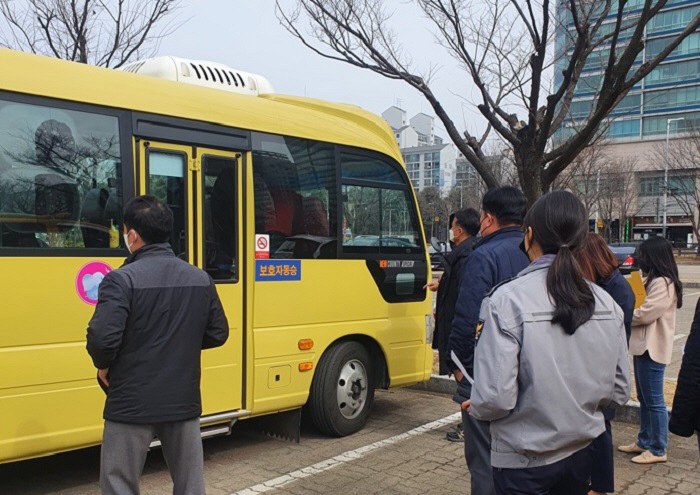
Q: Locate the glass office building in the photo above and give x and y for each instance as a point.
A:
(637, 127)
(670, 91)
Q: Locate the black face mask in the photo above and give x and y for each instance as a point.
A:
(522, 248)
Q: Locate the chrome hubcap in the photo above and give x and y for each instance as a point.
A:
(352, 389)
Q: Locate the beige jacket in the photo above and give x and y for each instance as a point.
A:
(654, 322)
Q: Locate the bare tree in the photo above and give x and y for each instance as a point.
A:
(506, 48)
(435, 210)
(683, 157)
(107, 33)
(582, 177)
(629, 201)
(604, 185)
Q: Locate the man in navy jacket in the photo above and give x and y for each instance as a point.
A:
(496, 258)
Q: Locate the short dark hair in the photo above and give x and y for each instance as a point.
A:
(468, 219)
(506, 203)
(148, 216)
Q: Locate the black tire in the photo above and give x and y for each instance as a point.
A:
(324, 403)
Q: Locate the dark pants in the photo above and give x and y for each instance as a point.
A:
(569, 476)
(477, 451)
(603, 471)
(124, 449)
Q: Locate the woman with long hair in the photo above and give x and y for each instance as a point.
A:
(651, 344)
(551, 354)
(599, 265)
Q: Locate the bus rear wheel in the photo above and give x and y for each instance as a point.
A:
(342, 390)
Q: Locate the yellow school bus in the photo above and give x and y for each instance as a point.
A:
(300, 210)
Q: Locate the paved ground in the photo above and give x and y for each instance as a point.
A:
(689, 272)
(402, 450)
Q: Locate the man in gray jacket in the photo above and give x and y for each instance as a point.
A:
(153, 317)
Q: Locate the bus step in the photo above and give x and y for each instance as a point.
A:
(207, 432)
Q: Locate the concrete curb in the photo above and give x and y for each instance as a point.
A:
(629, 413)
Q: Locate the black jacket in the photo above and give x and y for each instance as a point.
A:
(153, 317)
(620, 290)
(447, 292)
(685, 415)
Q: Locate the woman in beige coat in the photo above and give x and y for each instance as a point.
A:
(651, 344)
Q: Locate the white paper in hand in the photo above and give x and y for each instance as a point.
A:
(461, 367)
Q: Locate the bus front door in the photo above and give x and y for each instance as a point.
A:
(202, 187)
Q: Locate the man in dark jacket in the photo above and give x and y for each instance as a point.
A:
(685, 415)
(153, 317)
(464, 227)
(497, 257)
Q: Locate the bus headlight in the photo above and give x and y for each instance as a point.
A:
(429, 328)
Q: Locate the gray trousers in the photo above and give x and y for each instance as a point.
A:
(477, 451)
(124, 449)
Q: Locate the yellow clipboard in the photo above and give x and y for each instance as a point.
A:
(637, 284)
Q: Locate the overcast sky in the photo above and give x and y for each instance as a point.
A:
(246, 35)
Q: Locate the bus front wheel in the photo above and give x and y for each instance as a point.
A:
(342, 390)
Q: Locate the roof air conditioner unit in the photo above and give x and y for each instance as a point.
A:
(201, 73)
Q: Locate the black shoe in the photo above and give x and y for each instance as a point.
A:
(457, 435)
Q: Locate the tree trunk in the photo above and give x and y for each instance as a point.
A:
(530, 173)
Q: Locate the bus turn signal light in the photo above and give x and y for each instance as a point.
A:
(305, 344)
(306, 366)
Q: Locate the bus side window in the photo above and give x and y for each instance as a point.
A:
(60, 178)
(166, 181)
(220, 224)
(295, 196)
(378, 216)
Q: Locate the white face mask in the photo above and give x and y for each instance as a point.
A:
(452, 236)
(126, 241)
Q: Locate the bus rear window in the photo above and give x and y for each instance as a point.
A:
(60, 178)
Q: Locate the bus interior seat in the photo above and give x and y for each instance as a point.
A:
(221, 223)
(315, 217)
(13, 238)
(92, 215)
(112, 212)
(288, 208)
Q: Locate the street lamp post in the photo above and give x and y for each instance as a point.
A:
(597, 195)
(668, 130)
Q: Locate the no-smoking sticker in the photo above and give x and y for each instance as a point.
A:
(262, 246)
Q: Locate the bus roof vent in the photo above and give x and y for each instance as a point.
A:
(201, 73)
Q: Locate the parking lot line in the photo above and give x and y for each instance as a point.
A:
(345, 457)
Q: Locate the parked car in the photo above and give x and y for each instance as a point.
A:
(624, 252)
(373, 240)
(307, 246)
(437, 251)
